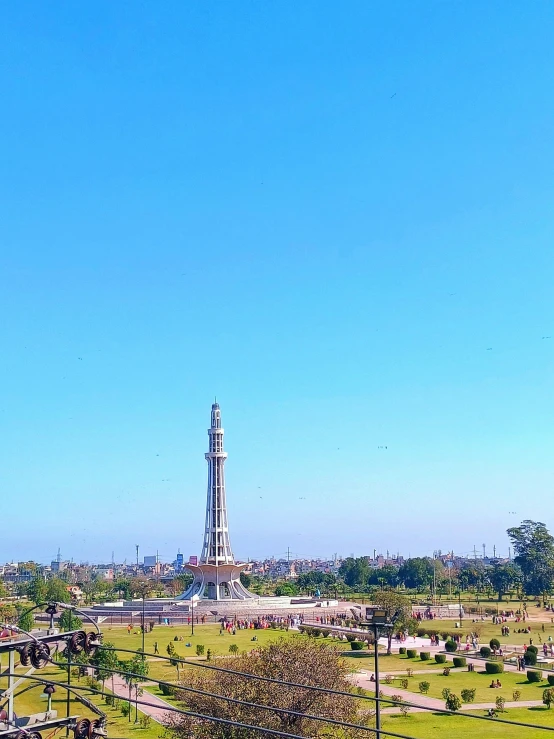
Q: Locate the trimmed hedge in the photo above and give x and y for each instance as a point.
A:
(485, 652)
(451, 646)
(494, 644)
(402, 650)
(356, 645)
(440, 659)
(494, 668)
(530, 658)
(534, 676)
(411, 653)
(532, 648)
(550, 679)
(424, 656)
(459, 661)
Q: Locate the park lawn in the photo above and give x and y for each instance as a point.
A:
(459, 680)
(431, 725)
(395, 663)
(487, 630)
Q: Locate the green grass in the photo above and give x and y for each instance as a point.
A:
(488, 630)
(457, 681)
(440, 726)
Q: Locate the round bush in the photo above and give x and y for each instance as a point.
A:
(534, 676)
(494, 668)
(530, 658)
(532, 648)
(316, 632)
(451, 646)
(421, 632)
(424, 656)
(550, 679)
(440, 659)
(356, 645)
(402, 650)
(351, 637)
(411, 653)
(459, 661)
(494, 644)
(485, 652)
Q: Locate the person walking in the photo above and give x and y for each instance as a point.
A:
(156, 650)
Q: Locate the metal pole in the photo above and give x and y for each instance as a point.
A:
(143, 625)
(460, 604)
(11, 680)
(377, 691)
(192, 611)
(68, 677)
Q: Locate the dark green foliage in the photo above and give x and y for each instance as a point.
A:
(317, 632)
(534, 547)
(325, 632)
(451, 646)
(494, 644)
(440, 659)
(459, 661)
(534, 676)
(424, 687)
(402, 650)
(468, 695)
(530, 658)
(411, 653)
(424, 656)
(550, 679)
(485, 652)
(494, 668)
(356, 645)
(167, 689)
(69, 621)
(532, 648)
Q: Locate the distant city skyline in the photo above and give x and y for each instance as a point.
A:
(338, 222)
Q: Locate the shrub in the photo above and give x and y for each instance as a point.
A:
(404, 710)
(167, 689)
(494, 644)
(233, 648)
(389, 679)
(500, 703)
(453, 702)
(532, 648)
(317, 632)
(425, 656)
(125, 708)
(421, 633)
(550, 679)
(530, 658)
(356, 645)
(440, 659)
(145, 721)
(459, 661)
(445, 636)
(446, 671)
(402, 650)
(325, 632)
(534, 676)
(424, 687)
(548, 696)
(451, 646)
(494, 668)
(445, 693)
(468, 695)
(516, 695)
(411, 653)
(199, 650)
(404, 684)
(397, 698)
(485, 652)
(349, 637)
(409, 672)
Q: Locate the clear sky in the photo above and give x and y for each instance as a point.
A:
(338, 218)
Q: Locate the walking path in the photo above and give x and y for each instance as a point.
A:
(158, 711)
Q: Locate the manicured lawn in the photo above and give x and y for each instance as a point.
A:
(459, 680)
(440, 726)
(488, 630)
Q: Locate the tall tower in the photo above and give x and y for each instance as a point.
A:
(216, 577)
(217, 547)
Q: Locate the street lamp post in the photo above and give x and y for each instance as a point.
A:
(143, 624)
(377, 619)
(193, 600)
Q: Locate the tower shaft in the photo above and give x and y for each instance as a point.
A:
(216, 549)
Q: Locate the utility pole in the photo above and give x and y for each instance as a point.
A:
(494, 551)
(484, 551)
(474, 552)
(137, 548)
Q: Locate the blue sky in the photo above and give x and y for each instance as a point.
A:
(337, 220)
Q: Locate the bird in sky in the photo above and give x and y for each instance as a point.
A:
(489, 349)
(392, 96)
(546, 337)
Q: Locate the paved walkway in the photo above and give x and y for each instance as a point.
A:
(158, 711)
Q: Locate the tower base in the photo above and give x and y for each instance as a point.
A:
(217, 583)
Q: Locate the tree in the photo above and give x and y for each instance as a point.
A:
(245, 579)
(504, 578)
(354, 571)
(26, 619)
(453, 702)
(286, 588)
(534, 548)
(3, 590)
(69, 621)
(416, 573)
(384, 576)
(399, 607)
(56, 590)
(141, 587)
(548, 697)
(298, 661)
(106, 663)
(181, 582)
(36, 590)
(122, 586)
